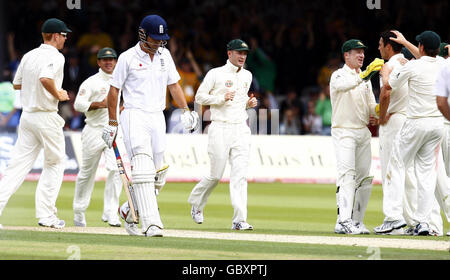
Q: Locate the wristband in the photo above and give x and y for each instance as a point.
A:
(113, 123)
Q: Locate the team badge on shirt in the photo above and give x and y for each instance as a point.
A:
(229, 83)
(163, 65)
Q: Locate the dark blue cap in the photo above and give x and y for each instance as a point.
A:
(155, 27)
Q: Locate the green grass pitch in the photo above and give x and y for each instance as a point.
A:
(273, 208)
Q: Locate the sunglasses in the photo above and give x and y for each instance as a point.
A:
(63, 34)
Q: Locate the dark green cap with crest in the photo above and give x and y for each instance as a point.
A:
(352, 44)
(237, 45)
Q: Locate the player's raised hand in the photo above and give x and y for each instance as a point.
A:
(399, 39)
(229, 95)
(252, 102)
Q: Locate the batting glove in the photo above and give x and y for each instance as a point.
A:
(109, 133)
(372, 69)
(190, 120)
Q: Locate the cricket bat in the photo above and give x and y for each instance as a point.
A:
(127, 185)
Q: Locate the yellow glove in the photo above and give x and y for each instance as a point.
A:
(372, 69)
(377, 110)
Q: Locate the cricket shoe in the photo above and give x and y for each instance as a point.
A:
(422, 229)
(409, 230)
(79, 220)
(1, 227)
(347, 227)
(399, 231)
(132, 229)
(448, 232)
(112, 220)
(242, 226)
(153, 231)
(361, 228)
(434, 233)
(338, 228)
(52, 222)
(388, 226)
(197, 215)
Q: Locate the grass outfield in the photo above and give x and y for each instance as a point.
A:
(288, 209)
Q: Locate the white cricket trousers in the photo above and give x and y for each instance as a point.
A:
(388, 133)
(37, 130)
(417, 142)
(443, 186)
(386, 141)
(93, 148)
(226, 142)
(353, 161)
(144, 136)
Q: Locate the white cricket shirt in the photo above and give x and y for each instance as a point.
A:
(42, 62)
(94, 89)
(420, 75)
(399, 97)
(442, 86)
(352, 99)
(143, 81)
(219, 81)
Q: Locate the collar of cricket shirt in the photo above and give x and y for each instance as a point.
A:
(350, 70)
(428, 58)
(141, 53)
(232, 68)
(104, 74)
(396, 56)
(49, 47)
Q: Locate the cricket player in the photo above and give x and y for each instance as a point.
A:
(39, 77)
(143, 73)
(392, 115)
(443, 92)
(225, 90)
(91, 100)
(419, 138)
(352, 103)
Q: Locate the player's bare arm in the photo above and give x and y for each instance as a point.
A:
(112, 98)
(385, 94)
(17, 87)
(99, 105)
(442, 103)
(177, 93)
(49, 85)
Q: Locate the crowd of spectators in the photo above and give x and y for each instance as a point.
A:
(295, 46)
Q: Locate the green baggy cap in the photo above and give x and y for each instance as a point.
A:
(429, 39)
(54, 25)
(106, 53)
(353, 44)
(237, 45)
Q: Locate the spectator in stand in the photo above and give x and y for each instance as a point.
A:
(291, 123)
(262, 66)
(312, 123)
(323, 109)
(7, 97)
(293, 102)
(73, 75)
(92, 41)
(333, 63)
